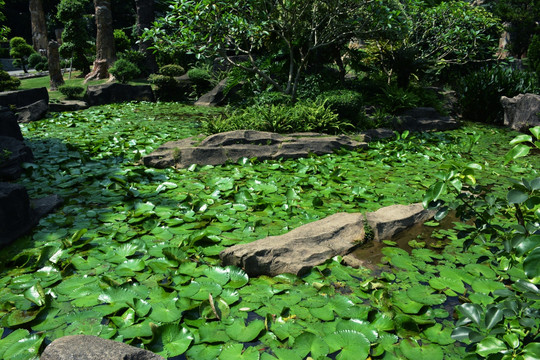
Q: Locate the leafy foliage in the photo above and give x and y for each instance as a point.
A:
(7, 82)
(71, 91)
(20, 50)
(302, 117)
(480, 92)
(124, 70)
(171, 70)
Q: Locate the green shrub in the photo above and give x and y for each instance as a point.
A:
(308, 116)
(199, 76)
(346, 103)
(8, 83)
(172, 70)
(395, 99)
(121, 40)
(479, 93)
(71, 91)
(35, 59)
(135, 57)
(273, 98)
(167, 88)
(124, 70)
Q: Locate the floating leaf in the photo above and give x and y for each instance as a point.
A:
(165, 312)
(353, 344)
(436, 334)
(424, 295)
(239, 332)
(413, 351)
(490, 345)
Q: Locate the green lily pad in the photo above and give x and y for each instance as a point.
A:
(424, 295)
(239, 332)
(436, 334)
(413, 351)
(486, 286)
(173, 340)
(353, 344)
(165, 312)
(238, 278)
(236, 351)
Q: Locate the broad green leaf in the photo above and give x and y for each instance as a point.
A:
(516, 196)
(353, 344)
(490, 345)
(424, 295)
(413, 351)
(239, 332)
(35, 294)
(517, 151)
(436, 334)
(165, 312)
(531, 265)
(237, 352)
(494, 315)
(532, 350)
(471, 311)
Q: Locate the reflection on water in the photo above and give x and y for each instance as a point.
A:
(370, 253)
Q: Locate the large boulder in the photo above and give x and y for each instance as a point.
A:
(312, 244)
(233, 145)
(216, 96)
(68, 105)
(391, 220)
(111, 93)
(33, 112)
(21, 98)
(19, 214)
(13, 153)
(521, 112)
(300, 249)
(8, 124)
(87, 347)
(424, 119)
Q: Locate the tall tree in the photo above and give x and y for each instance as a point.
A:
(39, 26)
(75, 38)
(4, 30)
(55, 73)
(145, 18)
(105, 50)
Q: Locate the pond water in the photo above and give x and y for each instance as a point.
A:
(370, 253)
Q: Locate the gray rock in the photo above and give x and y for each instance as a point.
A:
(521, 112)
(8, 124)
(86, 347)
(21, 98)
(117, 93)
(424, 119)
(388, 221)
(33, 112)
(214, 97)
(233, 145)
(68, 105)
(299, 250)
(19, 214)
(13, 153)
(312, 244)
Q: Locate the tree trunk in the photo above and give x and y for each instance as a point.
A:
(39, 26)
(55, 73)
(145, 18)
(105, 52)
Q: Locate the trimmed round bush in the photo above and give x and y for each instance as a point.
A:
(124, 70)
(172, 70)
(8, 83)
(35, 60)
(71, 91)
(199, 76)
(346, 103)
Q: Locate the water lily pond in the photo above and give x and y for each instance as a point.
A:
(133, 253)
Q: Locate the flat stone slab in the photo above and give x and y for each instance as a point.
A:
(68, 105)
(86, 347)
(300, 249)
(391, 220)
(233, 145)
(312, 244)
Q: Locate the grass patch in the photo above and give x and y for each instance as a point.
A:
(44, 81)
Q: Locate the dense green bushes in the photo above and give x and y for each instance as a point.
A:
(8, 83)
(480, 92)
(346, 103)
(38, 62)
(124, 70)
(303, 117)
(172, 70)
(71, 91)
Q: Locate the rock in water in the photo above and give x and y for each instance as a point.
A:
(521, 112)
